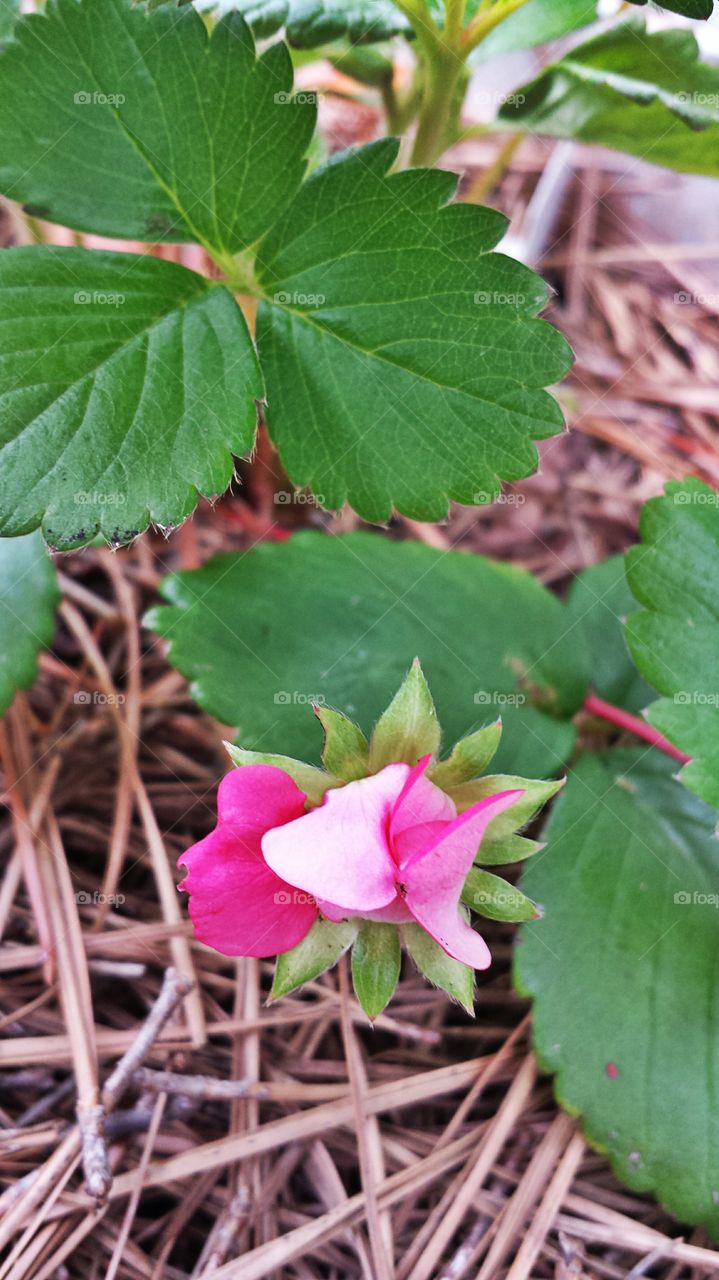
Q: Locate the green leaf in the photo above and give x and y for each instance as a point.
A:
(367, 606)
(376, 960)
(674, 573)
(9, 13)
(145, 127)
(622, 968)
(502, 828)
(643, 94)
(438, 968)
(469, 757)
(314, 782)
(495, 898)
(28, 597)
(598, 605)
(404, 362)
(537, 22)
(687, 8)
(311, 23)
(345, 752)
(409, 728)
(318, 951)
(127, 383)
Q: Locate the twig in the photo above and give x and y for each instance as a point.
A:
(205, 1087)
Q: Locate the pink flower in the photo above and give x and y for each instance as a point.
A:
(388, 847)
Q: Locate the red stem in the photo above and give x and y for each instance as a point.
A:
(632, 724)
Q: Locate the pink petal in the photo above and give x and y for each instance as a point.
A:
(340, 851)
(433, 877)
(237, 904)
(420, 804)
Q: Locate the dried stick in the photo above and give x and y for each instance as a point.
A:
(37, 1183)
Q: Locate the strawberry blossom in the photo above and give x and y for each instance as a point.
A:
(389, 847)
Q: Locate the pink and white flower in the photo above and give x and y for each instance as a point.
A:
(388, 847)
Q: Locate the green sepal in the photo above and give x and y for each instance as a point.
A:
(314, 782)
(345, 753)
(502, 828)
(318, 951)
(510, 849)
(497, 899)
(469, 757)
(456, 979)
(376, 959)
(409, 728)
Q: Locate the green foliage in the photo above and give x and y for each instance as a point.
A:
(376, 961)
(687, 8)
(536, 23)
(314, 782)
(495, 898)
(345, 752)
(363, 364)
(390, 389)
(643, 94)
(9, 12)
(319, 950)
(490, 638)
(468, 758)
(126, 382)
(130, 124)
(409, 728)
(311, 23)
(28, 598)
(674, 573)
(622, 970)
(598, 605)
(456, 979)
(499, 843)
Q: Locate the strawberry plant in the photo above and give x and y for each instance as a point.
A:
(399, 362)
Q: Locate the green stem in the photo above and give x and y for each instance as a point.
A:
(487, 180)
(442, 73)
(484, 22)
(453, 20)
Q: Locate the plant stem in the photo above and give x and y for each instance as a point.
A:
(453, 19)
(442, 73)
(486, 181)
(632, 724)
(485, 21)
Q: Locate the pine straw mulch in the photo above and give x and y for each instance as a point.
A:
(245, 1140)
